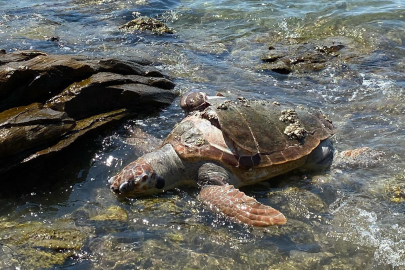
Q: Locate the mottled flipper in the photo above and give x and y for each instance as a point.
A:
(237, 205)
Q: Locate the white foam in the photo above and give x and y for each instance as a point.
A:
(368, 229)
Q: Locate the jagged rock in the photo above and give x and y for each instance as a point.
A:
(42, 76)
(50, 103)
(37, 79)
(108, 91)
(135, 66)
(39, 161)
(82, 127)
(28, 127)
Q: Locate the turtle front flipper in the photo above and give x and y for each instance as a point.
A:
(234, 203)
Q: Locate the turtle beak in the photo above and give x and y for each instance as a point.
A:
(124, 187)
(127, 186)
(113, 187)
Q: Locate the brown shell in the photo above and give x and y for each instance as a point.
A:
(256, 127)
(248, 138)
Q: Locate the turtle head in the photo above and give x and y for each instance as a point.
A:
(136, 179)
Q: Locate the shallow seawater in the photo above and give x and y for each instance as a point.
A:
(347, 218)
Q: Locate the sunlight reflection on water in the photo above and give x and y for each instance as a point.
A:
(217, 47)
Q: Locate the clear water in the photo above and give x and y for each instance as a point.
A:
(346, 219)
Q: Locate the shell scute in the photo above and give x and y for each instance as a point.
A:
(252, 128)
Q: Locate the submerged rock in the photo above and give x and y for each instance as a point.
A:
(94, 212)
(364, 157)
(305, 260)
(35, 245)
(305, 57)
(299, 203)
(50, 102)
(144, 23)
(394, 189)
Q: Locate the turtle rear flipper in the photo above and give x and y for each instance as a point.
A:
(234, 203)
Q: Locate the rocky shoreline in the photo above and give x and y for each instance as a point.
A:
(50, 102)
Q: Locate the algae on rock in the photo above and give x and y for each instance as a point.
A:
(35, 245)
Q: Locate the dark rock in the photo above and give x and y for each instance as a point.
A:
(41, 164)
(50, 104)
(43, 76)
(135, 66)
(146, 95)
(91, 124)
(18, 56)
(54, 39)
(144, 23)
(303, 57)
(107, 91)
(28, 127)
(39, 78)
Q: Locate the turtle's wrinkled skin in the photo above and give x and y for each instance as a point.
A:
(225, 144)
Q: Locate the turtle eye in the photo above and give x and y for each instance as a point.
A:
(144, 178)
(160, 182)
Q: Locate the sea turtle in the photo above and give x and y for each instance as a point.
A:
(224, 144)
